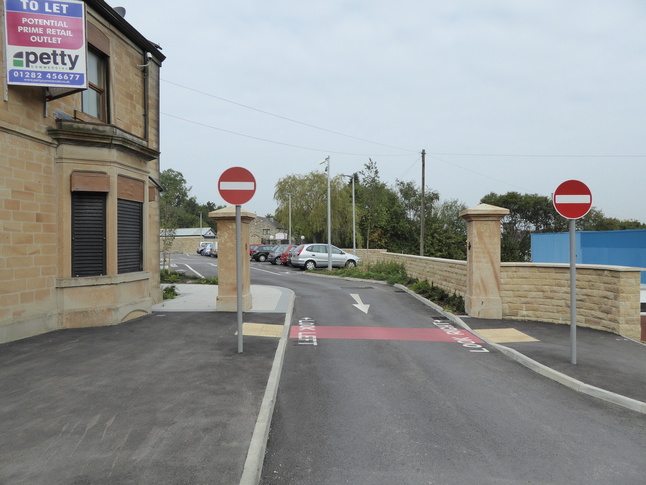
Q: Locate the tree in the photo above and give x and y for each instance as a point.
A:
(309, 206)
(446, 231)
(527, 213)
(177, 208)
(382, 210)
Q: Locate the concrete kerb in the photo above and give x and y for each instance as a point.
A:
(596, 392)
(252, 470)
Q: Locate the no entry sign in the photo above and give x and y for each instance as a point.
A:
(572, 199)
(237, 185)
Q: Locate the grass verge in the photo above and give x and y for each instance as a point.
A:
(176, 277)
(395, 273)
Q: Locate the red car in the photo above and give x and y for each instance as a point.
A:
(283, 256)
(252, 247)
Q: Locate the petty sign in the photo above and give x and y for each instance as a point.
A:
(237, 185)
(572, 199)
(46, 43)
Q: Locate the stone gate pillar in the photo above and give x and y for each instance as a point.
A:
(482, 299)
(227, 300)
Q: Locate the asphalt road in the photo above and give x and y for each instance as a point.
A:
(364, 407)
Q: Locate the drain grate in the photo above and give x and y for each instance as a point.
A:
(309, 297)
(356, 287)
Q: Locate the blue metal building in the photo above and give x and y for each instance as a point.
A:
(619, 248)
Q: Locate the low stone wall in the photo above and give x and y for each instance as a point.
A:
(448, 274)
(608, 297)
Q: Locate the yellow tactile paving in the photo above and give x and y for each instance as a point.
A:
(505, 335)
(262, 330)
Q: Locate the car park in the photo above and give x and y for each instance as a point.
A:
(284, 256)
(274, 256)
(203, 245)
(310, 256)
(260, 253)
(290, 254)
(252, 247)
(205, 248)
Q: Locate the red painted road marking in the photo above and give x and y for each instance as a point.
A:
(381, 333)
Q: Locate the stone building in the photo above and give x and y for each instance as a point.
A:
(267, 231)
(79, 215)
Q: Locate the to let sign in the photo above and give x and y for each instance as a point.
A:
(572, 199)
(237, 185)
(46, 43)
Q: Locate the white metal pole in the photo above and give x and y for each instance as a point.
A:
(329, 222)
(354, 224)
(290, 219)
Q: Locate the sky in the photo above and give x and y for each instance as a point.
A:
(502, 95)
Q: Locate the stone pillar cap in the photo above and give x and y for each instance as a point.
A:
(484, 211)
(230, 212)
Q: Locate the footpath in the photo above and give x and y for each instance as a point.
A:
(167, 398)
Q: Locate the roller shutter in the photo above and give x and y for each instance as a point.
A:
(130, 236)
(88, 233)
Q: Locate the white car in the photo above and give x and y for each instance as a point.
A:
(310, 256)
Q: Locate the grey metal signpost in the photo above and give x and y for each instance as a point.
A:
(572, 200)
(237, 186)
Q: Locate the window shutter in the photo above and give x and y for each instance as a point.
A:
(88, 233)
(130, 236)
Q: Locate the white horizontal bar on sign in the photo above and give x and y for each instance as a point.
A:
(573, 199)
(237, 186)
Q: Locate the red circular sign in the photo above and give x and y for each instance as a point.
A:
(572, 199)
(237, 185)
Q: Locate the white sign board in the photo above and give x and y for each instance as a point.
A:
(45, 43)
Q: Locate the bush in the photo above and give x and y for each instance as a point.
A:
(453, 303)
(176, 277)
(392, 273)
(170, 292)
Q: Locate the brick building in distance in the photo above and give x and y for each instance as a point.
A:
(79, 169)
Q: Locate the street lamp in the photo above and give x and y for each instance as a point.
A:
(329, 232)
(354, 225)
(289, 235)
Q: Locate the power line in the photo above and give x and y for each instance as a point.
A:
(287, 119)
(275, 142)
(309, 125)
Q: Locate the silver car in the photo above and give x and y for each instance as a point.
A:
(310, 256)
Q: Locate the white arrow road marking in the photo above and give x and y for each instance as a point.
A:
(360, 305)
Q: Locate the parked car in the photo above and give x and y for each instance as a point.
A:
(291, 253)
(310, 256)
(274, 256)
(252, 247)
(284, 256)
(261, 252)
(203, 245)
(211, 251)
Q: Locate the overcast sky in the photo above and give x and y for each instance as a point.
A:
(503, 95)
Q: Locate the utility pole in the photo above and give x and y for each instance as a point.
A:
(421, 210)
(289, 236)
(329, 215)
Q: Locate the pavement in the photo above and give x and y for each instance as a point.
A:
(167, 398)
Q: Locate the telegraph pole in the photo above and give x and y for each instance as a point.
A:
(421, 210)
